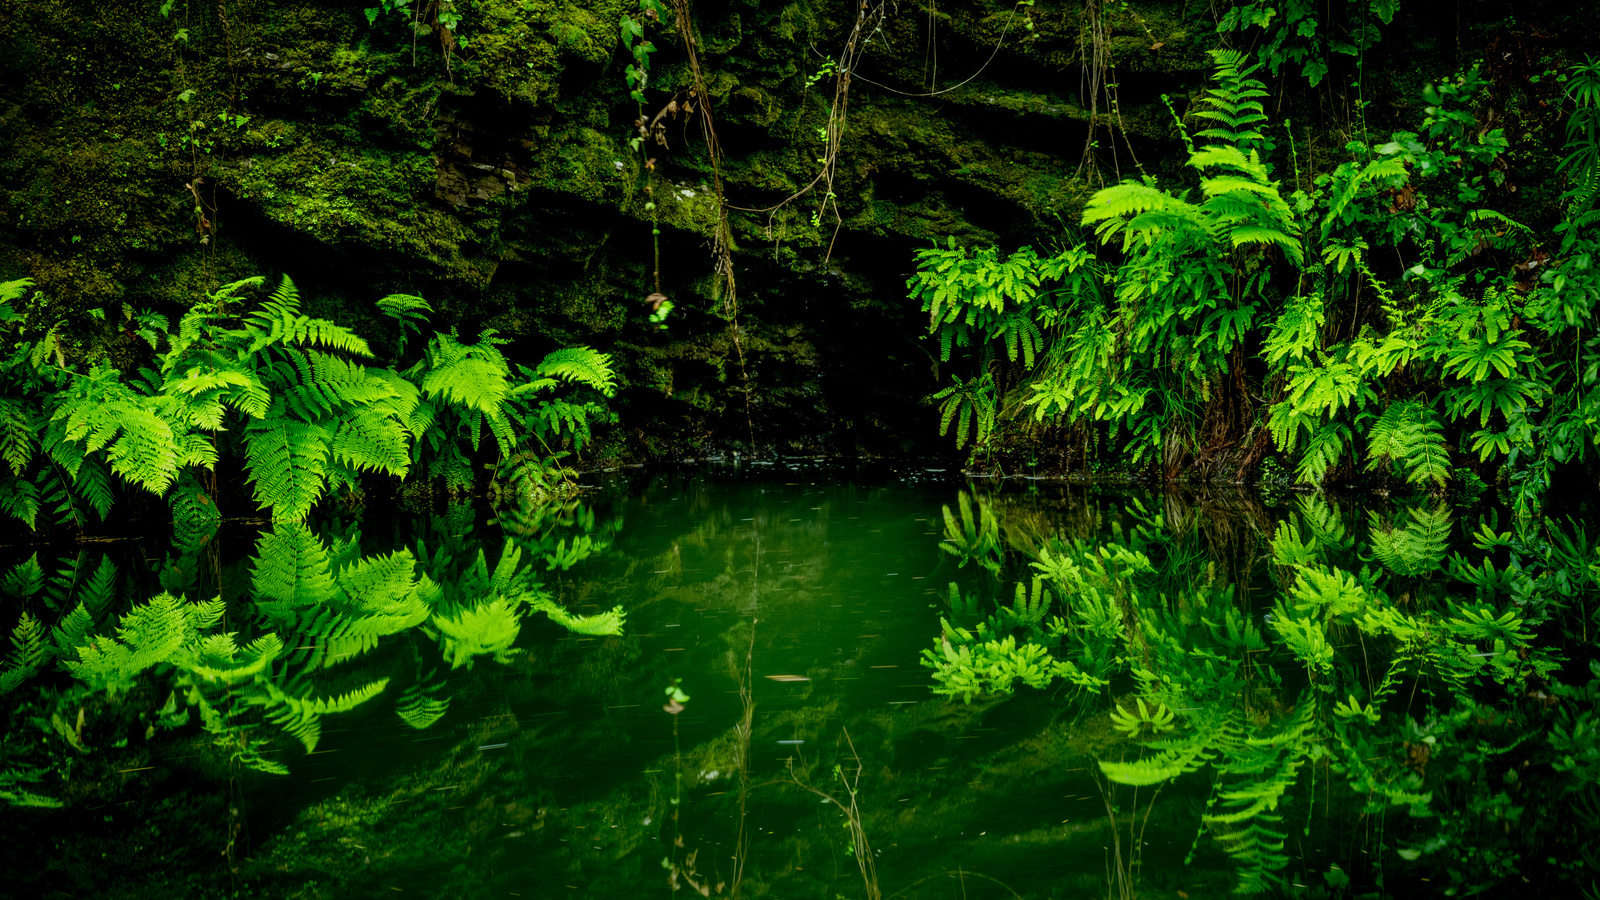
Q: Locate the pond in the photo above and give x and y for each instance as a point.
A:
(766, 724)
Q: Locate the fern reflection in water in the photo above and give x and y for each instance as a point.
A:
(322, 606)
(1297, 696)
(1373, 648)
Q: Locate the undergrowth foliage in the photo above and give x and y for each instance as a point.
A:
(305, 397)
(308, 409)
(1236, 318)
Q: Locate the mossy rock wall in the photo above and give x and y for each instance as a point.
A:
(157, 149)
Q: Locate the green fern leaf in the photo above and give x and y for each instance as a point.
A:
(607, 624)
(487, 627)
(25, 579)
(28, 652)
(419, 706)
(373, 439)
(18, 434)
(279, 321)
(581, 365)
(291, 572)
(287, 461)
(19, 499)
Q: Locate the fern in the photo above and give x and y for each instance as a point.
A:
(973, 538)
(474, 377)
(28, 652)
(1408, 436)
(373, 440)
(291, 571)
(18, 434)
(409, 311)
(420, 706)
(150, 634)
(216, 658)
(1234, 104)
(11, 777)
(279, 321)
(486, 628)
(300, 715)
(972, 407)
(606, 624)
(19, 499)
(1416, 548)
(581, 365)
(25, 579)
(98, 413)
(288, 464)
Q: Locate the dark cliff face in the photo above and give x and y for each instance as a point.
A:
(504, 170)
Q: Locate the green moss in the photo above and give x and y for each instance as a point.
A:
(519, 48)
(345, 195)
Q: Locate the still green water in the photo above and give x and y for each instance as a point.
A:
(809, 760)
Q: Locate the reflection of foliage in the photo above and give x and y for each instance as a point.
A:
(1416, 548)
(321, 605)
(1438, 714)
(970, 538)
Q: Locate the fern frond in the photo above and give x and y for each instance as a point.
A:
(299, 715)
(149, 634)
(28, 652)
(408, 309)
(373, 439)
(287, 461)
(290, 572)
(25, 579)
(608, 624)
(581, 365)
(420, 707)
(215, 658)
(469, 382)
(1110, 209)
(1417, 548)
(73, 630)
(279, 321)
(19, 434)
(491, 626)
(1408, 435)
(19, 499)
